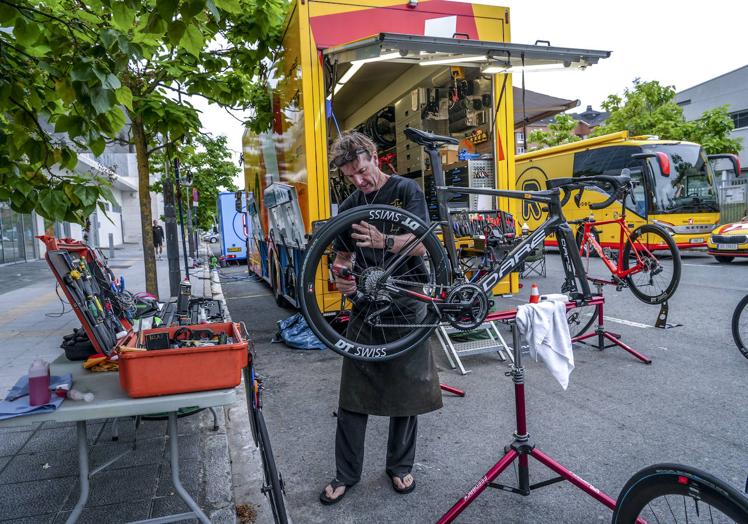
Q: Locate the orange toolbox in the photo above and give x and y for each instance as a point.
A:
(182, 370)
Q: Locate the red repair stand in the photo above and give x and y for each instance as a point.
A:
(601, 333)
(450, 389)
(520, 449)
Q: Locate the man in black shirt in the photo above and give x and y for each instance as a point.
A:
(158, 238)
(401, 388)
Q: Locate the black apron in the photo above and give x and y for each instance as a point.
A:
(405, 386)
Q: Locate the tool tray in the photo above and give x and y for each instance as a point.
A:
(170, 371)
(91, 294)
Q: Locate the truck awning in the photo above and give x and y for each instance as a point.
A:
(432, 50)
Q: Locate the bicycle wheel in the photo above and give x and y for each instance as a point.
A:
(251, 392)
(580, 319)
(273, 488)
(655, 250)
(390, 315)
(675, 493)
(740, 326)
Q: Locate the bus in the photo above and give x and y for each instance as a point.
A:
(673, 185)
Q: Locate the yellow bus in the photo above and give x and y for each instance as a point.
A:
(673, 185)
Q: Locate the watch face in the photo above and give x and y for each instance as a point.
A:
(389, 242)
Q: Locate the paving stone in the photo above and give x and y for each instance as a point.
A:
(31, 466)
(11, 443)
(189, 447)
(36, 519)
(148, 451)
(189, 474)
(110, 514)
(60, 438)
(169, 505)
(28, 499)
(126, 430)
(121, 485)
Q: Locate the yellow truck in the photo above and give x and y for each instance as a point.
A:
(673, 185)
(381, 66)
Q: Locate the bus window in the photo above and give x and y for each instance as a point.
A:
(689, 187)
(637, 200)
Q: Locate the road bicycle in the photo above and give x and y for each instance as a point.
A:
(676, 493)
(273, 487)
(740, 326)
(401, 298)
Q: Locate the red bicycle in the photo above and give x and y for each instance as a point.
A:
(645, 260)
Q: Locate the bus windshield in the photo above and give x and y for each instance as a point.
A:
(689, 187)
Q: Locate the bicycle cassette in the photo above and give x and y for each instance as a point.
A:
(475, 308)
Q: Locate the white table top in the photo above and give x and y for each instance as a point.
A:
(112, 401)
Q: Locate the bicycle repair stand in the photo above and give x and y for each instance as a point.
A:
(520, 448)
(661, 321)
(601, 333)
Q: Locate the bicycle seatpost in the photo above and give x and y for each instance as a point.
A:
(441, 198)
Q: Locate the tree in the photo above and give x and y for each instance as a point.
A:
(560, 131)
(209, 163)
(649, 108)
(141, 56)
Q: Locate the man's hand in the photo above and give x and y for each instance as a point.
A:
(344, 280)
(367, 235)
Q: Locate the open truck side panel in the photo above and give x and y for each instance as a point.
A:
(286, 168)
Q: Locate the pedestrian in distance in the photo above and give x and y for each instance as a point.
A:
(404, 387)
(158, 239)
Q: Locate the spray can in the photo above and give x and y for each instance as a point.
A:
(183, 300)
(39, 393)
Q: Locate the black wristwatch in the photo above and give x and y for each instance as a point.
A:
(389, 242)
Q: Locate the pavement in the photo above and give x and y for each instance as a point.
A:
(38, 462)
(617, 416)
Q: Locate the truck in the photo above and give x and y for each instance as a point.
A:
(233, 225)
(673, 185)
(381, 66)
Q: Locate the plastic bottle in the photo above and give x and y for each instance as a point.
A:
(39, 393)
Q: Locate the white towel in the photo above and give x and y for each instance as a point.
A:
(545, 328)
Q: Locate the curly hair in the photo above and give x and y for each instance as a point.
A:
(346, 145)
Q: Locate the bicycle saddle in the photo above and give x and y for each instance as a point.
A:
(424, 138)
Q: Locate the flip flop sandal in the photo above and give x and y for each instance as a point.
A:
(335, 484)
(403, 491)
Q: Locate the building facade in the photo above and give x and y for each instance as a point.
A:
(730, 89)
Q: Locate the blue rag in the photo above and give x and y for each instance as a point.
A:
(16, 403)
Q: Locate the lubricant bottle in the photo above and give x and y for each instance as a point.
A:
(39, 393)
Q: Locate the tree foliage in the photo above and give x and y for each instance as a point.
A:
(649, 108)
(208, 161)
(89, 66)
(560, 131)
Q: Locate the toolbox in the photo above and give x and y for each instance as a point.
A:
(154, 372)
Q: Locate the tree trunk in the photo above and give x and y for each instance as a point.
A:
(144, 194)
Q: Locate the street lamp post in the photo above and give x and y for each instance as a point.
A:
(181, 219)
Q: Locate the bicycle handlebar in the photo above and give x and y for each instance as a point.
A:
(618, 183)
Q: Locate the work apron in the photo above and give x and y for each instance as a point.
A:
(405, 386)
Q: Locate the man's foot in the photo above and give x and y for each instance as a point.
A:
(333, 492)
(403, 484)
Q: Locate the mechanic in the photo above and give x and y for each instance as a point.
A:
(401, 388)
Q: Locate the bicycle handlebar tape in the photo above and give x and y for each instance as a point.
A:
(534, 294)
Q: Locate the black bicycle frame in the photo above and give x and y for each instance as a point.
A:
(556, 223)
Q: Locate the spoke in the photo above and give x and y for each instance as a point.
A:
(670, 508)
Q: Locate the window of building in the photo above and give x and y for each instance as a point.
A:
(519, 137)
(520, 150)
(740, 118)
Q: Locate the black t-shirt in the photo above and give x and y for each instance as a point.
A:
(398, 192)
(158, 234)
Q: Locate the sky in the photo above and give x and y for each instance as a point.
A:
(679, 43)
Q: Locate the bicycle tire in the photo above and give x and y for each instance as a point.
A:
(740, 332)
(430, 279)
(273, 487)
(580, 319)
(250, 392)
(639, 496)
(669, 271)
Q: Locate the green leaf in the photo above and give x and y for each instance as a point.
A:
(176, 31)
(82, 72)
(211, 5)
(156, 25)
(191, 8)
(117, 119)
(26, 34)
(122, 16)
(167, 8)
(112, 81)
(124, 96)
(97, 145)
(232, 6)
(109, 38)
(192, 41)
(102, 100)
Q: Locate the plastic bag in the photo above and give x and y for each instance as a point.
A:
(295, 333)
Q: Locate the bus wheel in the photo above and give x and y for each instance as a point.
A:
(722, 259)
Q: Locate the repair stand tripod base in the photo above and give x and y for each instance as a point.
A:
(520, 449)
(603, 335)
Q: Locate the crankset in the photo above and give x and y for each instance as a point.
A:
(472, 307)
